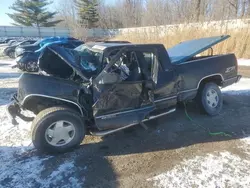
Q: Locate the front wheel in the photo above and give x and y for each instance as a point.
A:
(12, 54)
(210, 99)
(31, 66)
(57, 129)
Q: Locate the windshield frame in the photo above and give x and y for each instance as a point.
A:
(91, 48)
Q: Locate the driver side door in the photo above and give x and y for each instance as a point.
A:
(118, 100)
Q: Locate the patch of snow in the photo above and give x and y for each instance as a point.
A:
(240, 88)
(20, 170)
(246, 140)
(244, 145)
(13, 135)
(244, 62)
(6, 67)
(21, 173)
(14, 143)
(19, 167)
(64, 173)
(220, 170)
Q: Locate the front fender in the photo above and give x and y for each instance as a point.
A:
(38, 97)
(33, 85)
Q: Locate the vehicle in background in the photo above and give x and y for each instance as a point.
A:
(9, 43)
(5, 40)
(40, 43)
(101, 88)
(10, 50)
(5, 45)
(114, 41)
(28, 60)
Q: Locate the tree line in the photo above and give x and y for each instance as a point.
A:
(125, 13)
(134, 13)
(36, 13)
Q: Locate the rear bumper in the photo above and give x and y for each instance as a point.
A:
(231, 81)
(238, 78)
(13, 110)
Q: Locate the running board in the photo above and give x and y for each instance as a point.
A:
(104, 133)
(159, 115)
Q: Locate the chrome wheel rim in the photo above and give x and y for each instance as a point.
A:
(212, 98)
(60, 133)
(31, 66)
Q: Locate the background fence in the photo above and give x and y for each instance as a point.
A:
(15, 31)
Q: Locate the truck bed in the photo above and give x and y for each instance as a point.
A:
(192, 72)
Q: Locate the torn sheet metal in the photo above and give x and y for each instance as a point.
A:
(111, 97)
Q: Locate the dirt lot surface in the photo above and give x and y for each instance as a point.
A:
(173, 152)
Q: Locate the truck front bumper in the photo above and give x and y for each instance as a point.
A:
(13, 110)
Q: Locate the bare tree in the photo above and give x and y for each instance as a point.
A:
(198, 10)
(157, 12)
(67, 11)
(136, 13)
(131, 12)
(110, 16)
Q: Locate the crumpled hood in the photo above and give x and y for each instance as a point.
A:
(62, 62)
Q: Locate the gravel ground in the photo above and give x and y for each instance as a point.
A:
(173, 152)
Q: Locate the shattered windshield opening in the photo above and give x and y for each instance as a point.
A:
(89, 59)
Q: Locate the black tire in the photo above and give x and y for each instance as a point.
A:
(29, 68)
(47, 117)
(11, 54)
(211, 108)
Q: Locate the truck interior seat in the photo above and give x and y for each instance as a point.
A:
(134, 68)
(144, 65)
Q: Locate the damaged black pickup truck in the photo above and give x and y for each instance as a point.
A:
(101, 88)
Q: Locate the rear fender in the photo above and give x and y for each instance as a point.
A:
(216, 78)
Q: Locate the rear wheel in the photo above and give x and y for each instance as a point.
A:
(210, 99)
(57, 129)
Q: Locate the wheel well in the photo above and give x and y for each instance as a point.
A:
(217, 79)
(36, 104)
